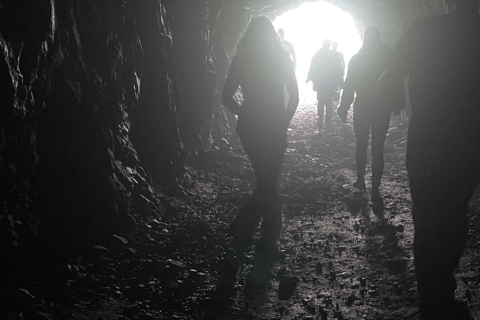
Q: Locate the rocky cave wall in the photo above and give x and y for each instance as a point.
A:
(74, 72)
(101, 100)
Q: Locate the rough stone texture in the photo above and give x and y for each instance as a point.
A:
(24, 26)
(75, 70)
(155, 128)
(201, 65)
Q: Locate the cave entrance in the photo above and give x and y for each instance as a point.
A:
(306, 27)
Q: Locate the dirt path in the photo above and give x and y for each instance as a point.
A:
(366, 264)
(348, 262)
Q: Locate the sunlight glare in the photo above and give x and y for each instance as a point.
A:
(307, 26)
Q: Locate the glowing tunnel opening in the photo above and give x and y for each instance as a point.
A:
(307, 26)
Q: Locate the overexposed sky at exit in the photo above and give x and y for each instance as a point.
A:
(307, 26)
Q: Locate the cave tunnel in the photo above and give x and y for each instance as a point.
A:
(121, 173)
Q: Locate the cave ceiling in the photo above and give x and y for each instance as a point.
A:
(392, 16)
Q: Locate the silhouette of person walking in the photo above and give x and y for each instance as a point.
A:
(441, 57)
(364, 71)
(288, 46)
(342, 58)
(336, 96)
(262, 69)
(326, 73)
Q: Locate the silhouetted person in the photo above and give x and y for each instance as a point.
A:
(288, 46)
(262, 69)
(326, 74)
(336, 96)
(342, 58)
(364, 70)
(441, 57)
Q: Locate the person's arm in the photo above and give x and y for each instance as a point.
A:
(230, 88)
(343, 62)
(391, 89)
(292, 89)
(348, 94)
(311, 71)
(294, 56)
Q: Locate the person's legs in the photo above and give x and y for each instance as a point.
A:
(266, 149)
(273, 153)
(328, 108)
(320, 107)
(250, 215)
(441, 185)
(439, 214)
(380, 124)
(361, 128)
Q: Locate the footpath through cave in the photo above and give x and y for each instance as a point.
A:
(347, 261)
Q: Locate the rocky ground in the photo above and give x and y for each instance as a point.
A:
(341, 258)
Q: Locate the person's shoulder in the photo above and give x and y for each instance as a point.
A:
(419, 30)
(333, 54)
(356, 59)
(287, 43)
(339, 55)
(318, 54)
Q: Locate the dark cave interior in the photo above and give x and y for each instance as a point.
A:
(107, 104)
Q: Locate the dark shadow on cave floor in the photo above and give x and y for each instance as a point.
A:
(342, 260)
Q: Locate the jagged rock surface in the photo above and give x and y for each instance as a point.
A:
(73, 75)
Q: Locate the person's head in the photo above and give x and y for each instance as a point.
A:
(326, 43)
(462, 6)
(260, 34)
(281, 33)
(334, 45)
(371, 37)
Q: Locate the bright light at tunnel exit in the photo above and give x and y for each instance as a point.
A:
(307, 26)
